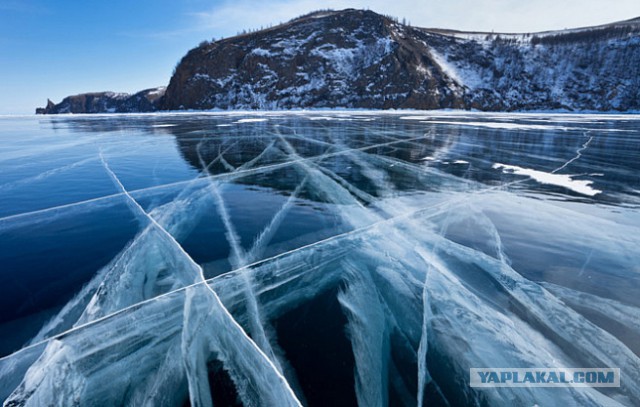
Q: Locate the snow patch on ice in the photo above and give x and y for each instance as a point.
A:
(566, 181)
(251, 120)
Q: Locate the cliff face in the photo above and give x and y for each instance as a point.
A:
(106, 102)
(360, 59)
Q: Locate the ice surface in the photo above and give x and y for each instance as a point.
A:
(433, 269)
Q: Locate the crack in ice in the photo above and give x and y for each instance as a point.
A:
(219, 306)
(578, 155)
(223, 176)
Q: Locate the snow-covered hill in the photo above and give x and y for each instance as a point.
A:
(360, 59)
(349, 58)
(595, 68)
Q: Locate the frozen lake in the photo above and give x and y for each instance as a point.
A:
(316, 258)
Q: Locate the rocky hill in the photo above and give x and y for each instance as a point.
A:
(328, 59)
(106, 102)
(360, 59)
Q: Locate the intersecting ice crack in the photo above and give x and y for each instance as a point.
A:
(431, 210)
(205, 168)
(447, 247)
(223, 176)
(369, 157)
(238, 260)
(370, 389)
(217, 306)
(400, 276)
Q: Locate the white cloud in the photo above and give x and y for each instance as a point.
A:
(230, 17)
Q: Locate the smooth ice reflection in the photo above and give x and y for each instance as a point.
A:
(323, 258)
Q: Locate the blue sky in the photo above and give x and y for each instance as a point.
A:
(52, 49)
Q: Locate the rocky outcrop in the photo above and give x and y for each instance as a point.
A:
(106, 102)
(360, 59)
(45, 110)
